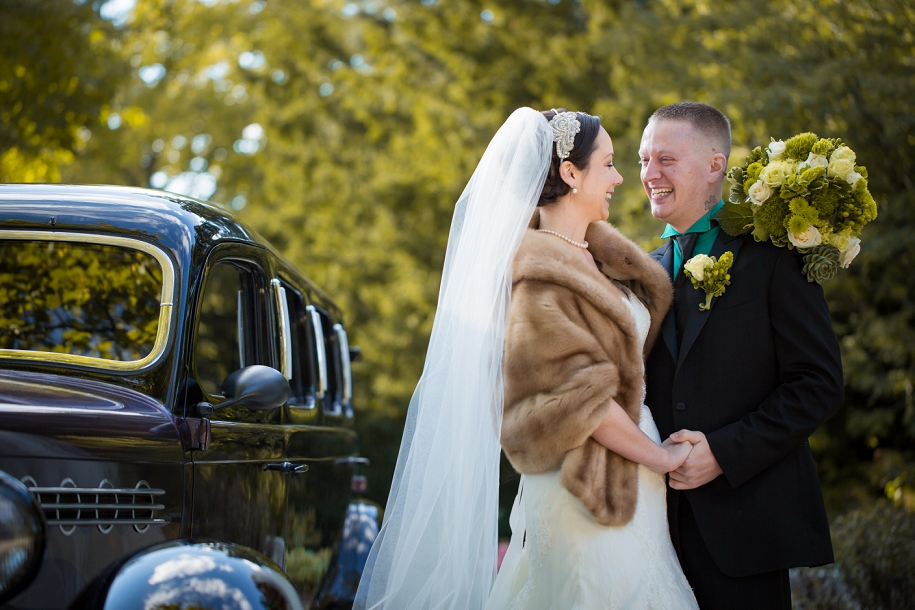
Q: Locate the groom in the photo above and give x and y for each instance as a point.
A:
(754, 377)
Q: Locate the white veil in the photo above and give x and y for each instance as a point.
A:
(437, 547)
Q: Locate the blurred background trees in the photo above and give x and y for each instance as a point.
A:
(345, 130)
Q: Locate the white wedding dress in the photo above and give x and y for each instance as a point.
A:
(560, 558)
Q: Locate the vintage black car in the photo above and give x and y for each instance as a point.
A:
(173, 394)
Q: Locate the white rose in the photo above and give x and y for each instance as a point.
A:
(776, 150)
(810, 238)
(816, 160)
(696, 266)
(853, 178)
(775, 173)
(841, 168)
(850, 252)
(842, 162)
(759, 193)
(844, 153)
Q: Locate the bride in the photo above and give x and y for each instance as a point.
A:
(539, 289)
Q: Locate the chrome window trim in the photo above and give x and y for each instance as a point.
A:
(343, 343)
(320, 351)
(282, 306)
(166, 301)
(240, 324)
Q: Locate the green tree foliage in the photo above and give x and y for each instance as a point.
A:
(58, 70)
(96, 301)
(344, 131)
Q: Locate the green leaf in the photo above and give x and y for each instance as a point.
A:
(735, 218)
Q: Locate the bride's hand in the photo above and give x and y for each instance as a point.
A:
(676, 453)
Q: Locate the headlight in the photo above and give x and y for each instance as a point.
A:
(22, 537)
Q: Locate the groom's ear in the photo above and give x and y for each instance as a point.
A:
(718, 163)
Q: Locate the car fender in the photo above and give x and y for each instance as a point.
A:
(184, 573)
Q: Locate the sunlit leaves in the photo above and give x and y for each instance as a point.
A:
(97, 301)
(57, 71)
(373, 115)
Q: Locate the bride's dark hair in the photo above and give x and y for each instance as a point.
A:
(585, 143)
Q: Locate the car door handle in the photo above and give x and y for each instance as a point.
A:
(287, 468)
(352, 461)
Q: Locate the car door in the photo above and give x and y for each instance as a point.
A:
(239, 482)
(318, 434)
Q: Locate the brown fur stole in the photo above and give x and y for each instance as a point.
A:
(570, 346)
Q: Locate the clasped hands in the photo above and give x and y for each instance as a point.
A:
(693, 463)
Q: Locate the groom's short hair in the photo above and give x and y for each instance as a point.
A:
(705, 119)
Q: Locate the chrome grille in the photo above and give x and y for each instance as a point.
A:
(105, 506)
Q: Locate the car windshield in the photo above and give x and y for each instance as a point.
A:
(80, 299)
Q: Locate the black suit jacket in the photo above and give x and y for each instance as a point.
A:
(758, 373)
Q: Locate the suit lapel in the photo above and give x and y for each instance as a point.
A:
(665, 256)
(696, 319)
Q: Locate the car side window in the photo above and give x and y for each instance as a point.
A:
(303, 384)
(344, 368)
(230, 323)
(333, 404)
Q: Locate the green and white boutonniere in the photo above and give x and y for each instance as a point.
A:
(710, 275)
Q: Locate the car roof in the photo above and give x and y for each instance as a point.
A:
(171, 220)
(178, 223)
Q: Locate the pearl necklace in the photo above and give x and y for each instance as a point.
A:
(580, 244)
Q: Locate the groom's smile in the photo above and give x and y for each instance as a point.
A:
(675, 172)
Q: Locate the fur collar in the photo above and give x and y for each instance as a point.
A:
(546, 258)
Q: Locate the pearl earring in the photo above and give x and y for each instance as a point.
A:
(574, 190)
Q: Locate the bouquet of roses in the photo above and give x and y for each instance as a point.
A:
(805, 193)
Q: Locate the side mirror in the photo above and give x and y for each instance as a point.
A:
(255, 387)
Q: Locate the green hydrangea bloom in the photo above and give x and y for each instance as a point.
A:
(769, 219)
(810, 174)
(861, 170)
(825, 230)
(798, 147)
(826, 146)
(839, 240)
(791, 188)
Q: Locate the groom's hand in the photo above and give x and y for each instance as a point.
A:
(700, 466)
